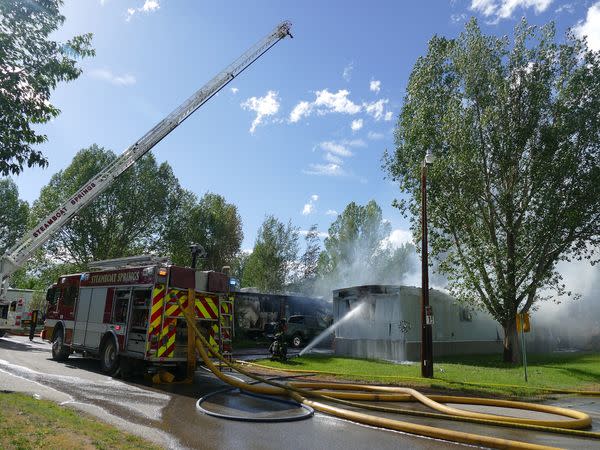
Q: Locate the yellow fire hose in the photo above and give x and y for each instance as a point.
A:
(299, 392)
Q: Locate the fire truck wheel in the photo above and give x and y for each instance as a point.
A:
(2, 333)
(109, 359)
(59, 351)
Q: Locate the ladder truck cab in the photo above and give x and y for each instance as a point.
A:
(128, 316)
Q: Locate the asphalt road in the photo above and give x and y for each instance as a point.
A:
(167, 414)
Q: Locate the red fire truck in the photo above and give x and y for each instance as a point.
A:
(129, 315)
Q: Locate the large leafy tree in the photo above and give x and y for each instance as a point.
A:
(31, 64)
(354, 247)
(14, 213)
(305, 275)
(211, 222)
(125, 220)
(515, 187)
(273, 261)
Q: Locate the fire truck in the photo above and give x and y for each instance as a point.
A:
(128, 314)
(112, 313)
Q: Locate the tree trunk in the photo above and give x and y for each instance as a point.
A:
(512, 351)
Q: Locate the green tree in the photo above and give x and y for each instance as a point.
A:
(515, 187)
(31, 65)
(306, 274)
(125, 220)
(354, 243)
(273, 260)
(211, 222)
(14, 213)
(238, 265)
(309, 261)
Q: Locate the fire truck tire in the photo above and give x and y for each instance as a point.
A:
(109, 357)
(59, 351)
(2, 333)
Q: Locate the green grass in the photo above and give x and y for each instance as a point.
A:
(27, 423)
(479, 373)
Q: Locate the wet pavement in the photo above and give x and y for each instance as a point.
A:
(167, 414)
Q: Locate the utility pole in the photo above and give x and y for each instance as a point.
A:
(426, 315)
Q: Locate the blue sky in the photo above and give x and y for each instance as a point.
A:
(301, 133)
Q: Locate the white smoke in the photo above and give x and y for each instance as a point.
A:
(571, 322)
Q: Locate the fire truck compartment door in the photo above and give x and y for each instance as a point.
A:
(83, 309)
(89, 316)
(95, 327)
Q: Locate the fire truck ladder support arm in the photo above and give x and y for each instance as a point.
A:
(16, 256)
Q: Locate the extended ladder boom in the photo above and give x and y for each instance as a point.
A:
(16, 256)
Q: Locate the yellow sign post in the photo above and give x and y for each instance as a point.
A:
(523, 326)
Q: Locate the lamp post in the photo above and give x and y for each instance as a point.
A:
(426, 325)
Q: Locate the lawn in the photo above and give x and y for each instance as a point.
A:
(481, 373)
(28, 423)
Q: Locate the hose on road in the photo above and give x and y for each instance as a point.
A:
(307, 411)
(301, 392)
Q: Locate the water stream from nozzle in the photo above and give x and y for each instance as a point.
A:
(349, 315)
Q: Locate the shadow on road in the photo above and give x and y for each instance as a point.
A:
(35, 346)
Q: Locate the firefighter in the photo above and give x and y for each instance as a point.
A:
(278, 348)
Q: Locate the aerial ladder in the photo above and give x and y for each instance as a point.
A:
(17, 255)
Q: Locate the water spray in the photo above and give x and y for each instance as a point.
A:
(349, 315)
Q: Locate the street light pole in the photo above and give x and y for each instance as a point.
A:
(426, 328)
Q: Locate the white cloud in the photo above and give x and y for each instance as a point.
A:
(309, 207)
(107, 75)
(397, 238)
(321, 234)
(567, 7)
(354, 143)
(376, 109)
(347, 73)
(356, 124)
(333, 159)
(338, 102)
(325, 102)
(375, 136)
(148, 7)
(375, 86)
(458, 18)
(262, 106)
(388, 116)
(331, 169)
(234, 90)
(591, 27)
(331, 212)
(301, 109)
(335, 152)
(335, 148)
(503, 9)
